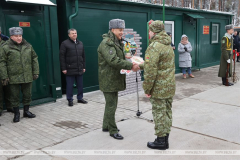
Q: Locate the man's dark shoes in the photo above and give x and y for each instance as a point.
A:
(16, 114)
(82, 101)
(70, 103)
(106, 130)
(10, 110)
(159, 143)
(229, 84)
(26, 112)
(117, 136)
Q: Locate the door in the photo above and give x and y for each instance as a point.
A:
(190, 29)
(33, 33)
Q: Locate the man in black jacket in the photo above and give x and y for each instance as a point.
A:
(236, 42)
(72, 60)
(170, 34)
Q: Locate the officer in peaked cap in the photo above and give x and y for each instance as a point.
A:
(226, 56)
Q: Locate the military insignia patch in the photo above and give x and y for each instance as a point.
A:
(147, 59)
(223, 41)
(110, 52)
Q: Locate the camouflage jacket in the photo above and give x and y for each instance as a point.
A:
(159, 68)
(1, 42)
(18, 62)
(111, 60)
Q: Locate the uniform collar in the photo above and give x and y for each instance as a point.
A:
(228, 35)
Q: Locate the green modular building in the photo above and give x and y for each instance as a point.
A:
(40, 28)
(90, 17)
(45, 27)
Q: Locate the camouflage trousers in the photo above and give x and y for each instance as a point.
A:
(14, 94)
(109, 123)
(3, 95)
(162, 115)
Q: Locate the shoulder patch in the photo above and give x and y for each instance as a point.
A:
(223, 41)
(147, 57)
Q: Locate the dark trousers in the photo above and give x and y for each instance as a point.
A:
(70, 81)
(224, 80)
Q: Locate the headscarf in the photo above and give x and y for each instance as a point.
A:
(184, 42)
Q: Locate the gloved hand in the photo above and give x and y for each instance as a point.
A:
(35, 77)
(228, 61)
(5, 82)
(185, 48)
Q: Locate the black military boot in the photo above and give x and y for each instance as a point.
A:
(167, 144)
(16, 114)
(159, 143)
(26, 112)
(224, 80)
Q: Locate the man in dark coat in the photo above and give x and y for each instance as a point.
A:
(3, 37)
(170, 34)
(72, 60)
(236, 41)
(227, 56)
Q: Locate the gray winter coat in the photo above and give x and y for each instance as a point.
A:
(185, 59)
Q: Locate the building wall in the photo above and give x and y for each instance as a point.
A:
(43, 38)
(92, 22)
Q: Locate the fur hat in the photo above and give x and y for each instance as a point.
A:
(117, 24)
(15, 31)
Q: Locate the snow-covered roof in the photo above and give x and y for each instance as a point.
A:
(180, 8)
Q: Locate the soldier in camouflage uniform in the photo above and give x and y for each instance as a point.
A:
(111, 60)
(227, 56)
(3, 89)
(18, 68)
(159, 83)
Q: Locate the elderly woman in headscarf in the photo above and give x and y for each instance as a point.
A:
(185, 59)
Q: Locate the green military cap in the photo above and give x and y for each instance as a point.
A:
(156, 26)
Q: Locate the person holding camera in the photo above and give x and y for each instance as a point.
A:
(185, 58)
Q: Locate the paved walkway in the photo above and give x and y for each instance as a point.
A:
(205, 117)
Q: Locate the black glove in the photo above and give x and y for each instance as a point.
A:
(185, 48)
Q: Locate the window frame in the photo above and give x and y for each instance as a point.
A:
(173, 34)
(218, 32)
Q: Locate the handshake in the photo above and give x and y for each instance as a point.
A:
(135, 67)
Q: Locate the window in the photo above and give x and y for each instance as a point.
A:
(215, 33)
(169, 27)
